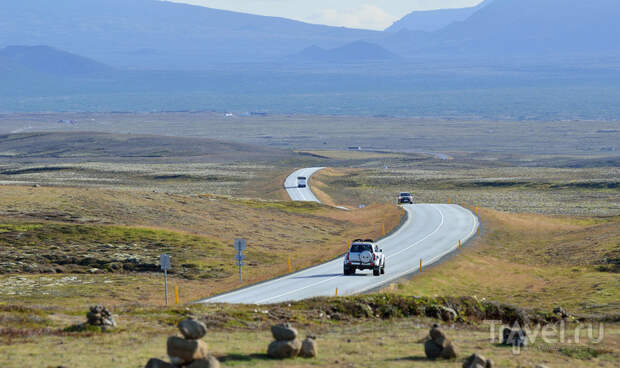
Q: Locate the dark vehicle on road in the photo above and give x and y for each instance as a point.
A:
(405, 197)
(301, 181)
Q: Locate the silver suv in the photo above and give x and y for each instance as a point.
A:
(364, 255)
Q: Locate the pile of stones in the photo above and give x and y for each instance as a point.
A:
(287, 346)
(438, 345)
(188, 351)
(477, 361)
(100, 316)
(514, 337)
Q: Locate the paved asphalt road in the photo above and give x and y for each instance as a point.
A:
(301, 194)
(430, 232)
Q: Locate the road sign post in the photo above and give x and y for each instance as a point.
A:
(164, 262)
(240, 245)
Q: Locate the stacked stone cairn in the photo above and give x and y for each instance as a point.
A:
(477, 361)
(287, 346)
(188, 351)
(516, 337)
(438, 345)
(100, 316)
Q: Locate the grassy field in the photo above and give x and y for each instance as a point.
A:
(534, 261)
(86, 226)
(92, 237)
(239, 335)
(593, 191)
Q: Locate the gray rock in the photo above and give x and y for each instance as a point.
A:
(514, 337)
(210, 362)
(449, 351)
(284, 332)
(448, 314)
(156, 363)
(439, 337)
(540, 366)
(432, 350)
(182, 351)
(284, 349)
(476, 361)
(192, 329)
(308, 348)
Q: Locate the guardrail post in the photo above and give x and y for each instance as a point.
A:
(383, 229)
(336, 292)
(289, 265)
(176, 293)
(420, 264)
(459, 244)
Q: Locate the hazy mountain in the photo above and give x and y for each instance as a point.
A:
(156, 34)
(530, 28)
(354, 52)
(433, 20)
(44, 59)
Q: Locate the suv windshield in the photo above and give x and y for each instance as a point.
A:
(405, 194)
(358, 248)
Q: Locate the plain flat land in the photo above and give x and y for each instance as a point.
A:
(503, 139)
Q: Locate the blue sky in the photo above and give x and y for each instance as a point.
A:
(369, 14)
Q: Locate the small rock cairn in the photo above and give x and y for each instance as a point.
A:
(477, 361)
(188, 351)
(287, 346)
(100, 316)
(438, 345)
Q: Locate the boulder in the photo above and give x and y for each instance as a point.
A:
(284, 332)
(284, 349)
(192, 329)
(156, 363)
(439, 337)
(182, 351)
(449, 351)
(308, 348)
(432, 350)
(477, 361)
(439, 346)
(440, 312)
(210, 362)
(514, 337)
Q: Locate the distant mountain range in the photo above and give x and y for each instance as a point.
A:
(354, 52)
(45, 59)
(153, 34)
(434, 20)
(509, 58)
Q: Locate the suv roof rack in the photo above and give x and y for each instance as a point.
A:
(369, 240)
(363, 241)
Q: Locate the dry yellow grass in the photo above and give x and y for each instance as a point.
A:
(534, 261)
(275, 231)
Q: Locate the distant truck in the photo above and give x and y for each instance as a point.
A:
(405, 198)
(364, 255)
(302, 182)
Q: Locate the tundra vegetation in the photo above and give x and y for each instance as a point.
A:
(78, 227)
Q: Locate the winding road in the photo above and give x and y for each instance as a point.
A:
(301, 194)
(430, 232)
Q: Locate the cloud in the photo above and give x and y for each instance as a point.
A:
(366, 16)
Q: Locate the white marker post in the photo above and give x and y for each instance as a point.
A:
(240, 245)
(164, 262)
